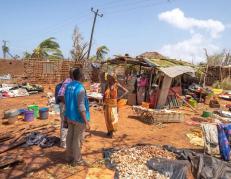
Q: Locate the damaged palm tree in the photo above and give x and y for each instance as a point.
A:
(80, 48)
(47, 49)
(101, 52)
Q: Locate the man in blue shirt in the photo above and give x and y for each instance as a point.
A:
(77, 115)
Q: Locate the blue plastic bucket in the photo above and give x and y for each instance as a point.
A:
(28, 115)
(43, 113)
(22, 111)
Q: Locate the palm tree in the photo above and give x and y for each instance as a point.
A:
(26, 55)
(101, 52)
(47, 49)
(5, 50)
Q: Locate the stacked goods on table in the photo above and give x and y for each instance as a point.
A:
(94, 92)
(132, 162)
(95, 87)
(151, 116)
(226, 96)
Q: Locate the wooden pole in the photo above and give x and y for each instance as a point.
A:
(229, 72)
(221, 73)
(140, 70)
(166, 84)
(207, 67)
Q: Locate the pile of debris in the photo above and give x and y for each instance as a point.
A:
(25, 137)
(18, 90)
(132, 162)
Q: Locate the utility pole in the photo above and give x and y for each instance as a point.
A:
(92, 30)
(4, 47)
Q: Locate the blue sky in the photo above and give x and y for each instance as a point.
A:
(178, 29)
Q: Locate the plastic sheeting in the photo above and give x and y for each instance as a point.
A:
(5, 77)
(174, 169)
(174, 71)
(203, 166)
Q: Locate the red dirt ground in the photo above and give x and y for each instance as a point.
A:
(50, 162)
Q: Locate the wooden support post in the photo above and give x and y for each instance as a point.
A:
(229, 72)
(140, 70)
(221, 78)
(207, 67)
(166, 84)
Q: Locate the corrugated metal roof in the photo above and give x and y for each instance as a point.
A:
(177, 70)
(170, 67)
(165, 62)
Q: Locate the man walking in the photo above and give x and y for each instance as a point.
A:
(63, 130)
(77, 115)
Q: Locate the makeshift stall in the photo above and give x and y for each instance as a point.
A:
(155, 80)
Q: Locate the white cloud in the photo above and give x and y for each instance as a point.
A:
(190, 49)
(177, 18)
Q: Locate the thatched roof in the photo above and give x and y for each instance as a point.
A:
(150, 55)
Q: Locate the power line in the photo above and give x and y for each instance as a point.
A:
(125, 4)
(148, 4)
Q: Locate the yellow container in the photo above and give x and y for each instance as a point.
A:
(217, 91)
(121, 103)
(145, 105)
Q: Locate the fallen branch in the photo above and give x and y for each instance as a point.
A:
(40, 128)
(14, 145)
(6, 137)
(19, 136)
(10, 162)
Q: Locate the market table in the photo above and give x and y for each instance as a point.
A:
(95, 96)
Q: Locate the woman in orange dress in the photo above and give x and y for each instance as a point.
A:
(110, 103)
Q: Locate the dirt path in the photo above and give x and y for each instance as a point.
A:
(50, 162)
